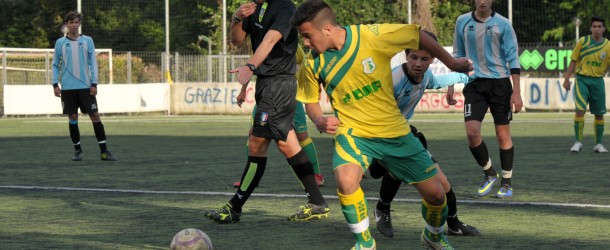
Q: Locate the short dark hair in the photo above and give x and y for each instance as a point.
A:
(598, 19)
(310, 10)
(73, 15)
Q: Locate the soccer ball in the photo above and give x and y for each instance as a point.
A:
(191, 239)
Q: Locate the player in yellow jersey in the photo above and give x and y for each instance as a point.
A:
(352, 63)
(590, 60)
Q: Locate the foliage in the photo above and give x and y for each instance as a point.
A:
(31, 23)
(446, 13)
(140, 72)
(139, 25)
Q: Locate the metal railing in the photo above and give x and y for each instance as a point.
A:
(33, 66)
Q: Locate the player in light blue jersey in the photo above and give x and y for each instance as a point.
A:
(489, 41)
(75, 68)
(410, 80)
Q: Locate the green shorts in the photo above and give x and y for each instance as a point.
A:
(404, 157)
(591, 91)
(299, 121)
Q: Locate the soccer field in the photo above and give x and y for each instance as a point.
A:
(172, 168)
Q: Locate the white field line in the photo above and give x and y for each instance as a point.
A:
(507, 202)
(248, 117)
(186, 119)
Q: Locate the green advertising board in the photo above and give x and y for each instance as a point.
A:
(544, 59)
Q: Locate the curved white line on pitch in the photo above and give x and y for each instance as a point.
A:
(513, 203)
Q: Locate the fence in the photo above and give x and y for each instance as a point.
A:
(33, 66)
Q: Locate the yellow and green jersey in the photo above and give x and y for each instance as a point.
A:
(592, 58)
(358, 79)
(300, 55)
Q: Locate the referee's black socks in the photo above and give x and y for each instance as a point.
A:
(303, 168)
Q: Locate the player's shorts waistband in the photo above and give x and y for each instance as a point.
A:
(585, 76)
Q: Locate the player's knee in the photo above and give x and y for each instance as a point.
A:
(348, 178)
(95, 117)
(503, 136)
(445, 183)
(436, 198)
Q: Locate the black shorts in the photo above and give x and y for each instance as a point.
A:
(492, 94)
(275, 106)
(73, 99)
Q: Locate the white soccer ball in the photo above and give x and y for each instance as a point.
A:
(191, 239)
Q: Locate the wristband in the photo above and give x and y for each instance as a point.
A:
(236, 19)
(252, 68)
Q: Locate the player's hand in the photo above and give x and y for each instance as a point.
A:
(462, 65)
(566, 84)
(450, 98)
(244, 74)
(93, 91)
(516, 102)
(241, 98)
(327, 124)
(57, 91)
(245, 9)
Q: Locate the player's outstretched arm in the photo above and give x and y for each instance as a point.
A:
(456, 64)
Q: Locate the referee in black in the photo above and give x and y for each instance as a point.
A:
(274, 42)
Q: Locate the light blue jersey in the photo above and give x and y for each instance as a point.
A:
(408, 93)
(76, 60)
(491, 44)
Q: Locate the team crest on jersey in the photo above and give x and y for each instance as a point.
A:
(603, 55)
(369, 65)
(374, 28)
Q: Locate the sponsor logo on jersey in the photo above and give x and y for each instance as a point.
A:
(330, 64)
(362, 92)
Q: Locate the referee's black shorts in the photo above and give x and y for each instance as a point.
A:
(276, 103)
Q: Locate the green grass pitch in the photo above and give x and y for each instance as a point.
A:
(172, 168)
